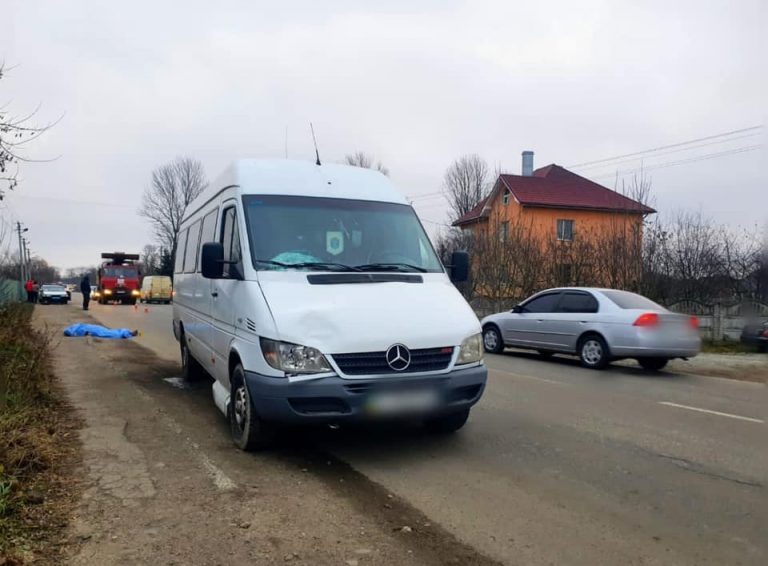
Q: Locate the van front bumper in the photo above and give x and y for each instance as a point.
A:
(337, 400)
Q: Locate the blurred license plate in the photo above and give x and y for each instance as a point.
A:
(396, 402)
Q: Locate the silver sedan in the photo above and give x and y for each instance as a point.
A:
(598, 325)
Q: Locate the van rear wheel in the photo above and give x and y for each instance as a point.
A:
(249, 432)
(191, 370)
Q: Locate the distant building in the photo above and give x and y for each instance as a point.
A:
(572, 220)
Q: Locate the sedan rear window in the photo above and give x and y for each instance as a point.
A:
(627, 300)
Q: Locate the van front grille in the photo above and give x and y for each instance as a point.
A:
(375, 363)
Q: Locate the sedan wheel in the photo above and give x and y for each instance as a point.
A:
(492, 341)
(594, 352)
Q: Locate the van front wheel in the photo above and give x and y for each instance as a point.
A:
(249, 432)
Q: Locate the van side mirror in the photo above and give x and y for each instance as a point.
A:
(212, 260)
(459, 267)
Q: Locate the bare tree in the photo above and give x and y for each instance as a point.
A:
(465, 184)
(507, 260)
(362, 159)
(150, 259)
(15, 132)
(174, 186)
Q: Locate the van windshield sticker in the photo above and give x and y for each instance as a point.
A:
(334, 242)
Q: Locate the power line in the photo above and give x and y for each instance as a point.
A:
(425, 195)
(436, 223)
(663, 147)
(683, 161)
(678, 150)
(75, 201)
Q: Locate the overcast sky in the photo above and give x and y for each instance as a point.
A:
(417, 84)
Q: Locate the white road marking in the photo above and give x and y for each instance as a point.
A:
(718, 413)
(219, 479)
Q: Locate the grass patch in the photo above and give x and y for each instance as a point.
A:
(38, 445)
(726, 347)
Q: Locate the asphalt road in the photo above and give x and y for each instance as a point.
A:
(562, 465)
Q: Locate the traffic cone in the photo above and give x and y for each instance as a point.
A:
(146, 310)
(135, 307)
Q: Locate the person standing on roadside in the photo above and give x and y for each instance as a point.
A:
(35, 291)
(29, 287)
(85, 289)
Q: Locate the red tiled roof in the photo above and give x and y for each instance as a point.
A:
(473, 214)
(555, 187)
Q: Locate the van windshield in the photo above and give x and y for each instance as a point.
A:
(312, 233)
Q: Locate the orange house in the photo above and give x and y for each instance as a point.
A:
(558, 207)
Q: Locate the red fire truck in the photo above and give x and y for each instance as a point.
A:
(119, 278)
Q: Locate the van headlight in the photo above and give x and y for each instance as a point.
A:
(471, 350)
(294, 358)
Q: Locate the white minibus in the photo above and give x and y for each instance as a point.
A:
(312, 294)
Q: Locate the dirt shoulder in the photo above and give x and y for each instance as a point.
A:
(39, 447)
(164, 485)
(744, 367)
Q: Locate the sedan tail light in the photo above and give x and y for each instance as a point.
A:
(647, 319)
(694, 322)
(765, 332)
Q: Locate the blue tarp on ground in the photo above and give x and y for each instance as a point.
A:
(96, 330)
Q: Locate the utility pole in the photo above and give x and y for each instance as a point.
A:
(20, 231)
(27, 266)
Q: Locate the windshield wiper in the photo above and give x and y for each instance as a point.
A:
(390, 267)
(318, 265)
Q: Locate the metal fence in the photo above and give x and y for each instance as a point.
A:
(10, 291)
(722, 320)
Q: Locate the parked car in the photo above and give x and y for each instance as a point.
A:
(756, 334)
(156, 288)
(53, 294)
(312, 294)
(598, 325)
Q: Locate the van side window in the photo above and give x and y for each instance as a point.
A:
(230, 239)
(207, 233)
(190, 256)
(178, 266)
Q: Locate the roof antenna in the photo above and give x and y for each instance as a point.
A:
(317, 153)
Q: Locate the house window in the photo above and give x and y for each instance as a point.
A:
(564, 229)
(504, 231)
(505, 198)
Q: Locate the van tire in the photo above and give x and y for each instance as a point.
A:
(447, 424)
(191, 370)
(249, 432)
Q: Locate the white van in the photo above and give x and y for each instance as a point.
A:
(312, 294)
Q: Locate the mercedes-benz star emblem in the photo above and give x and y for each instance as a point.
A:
(398, 357)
